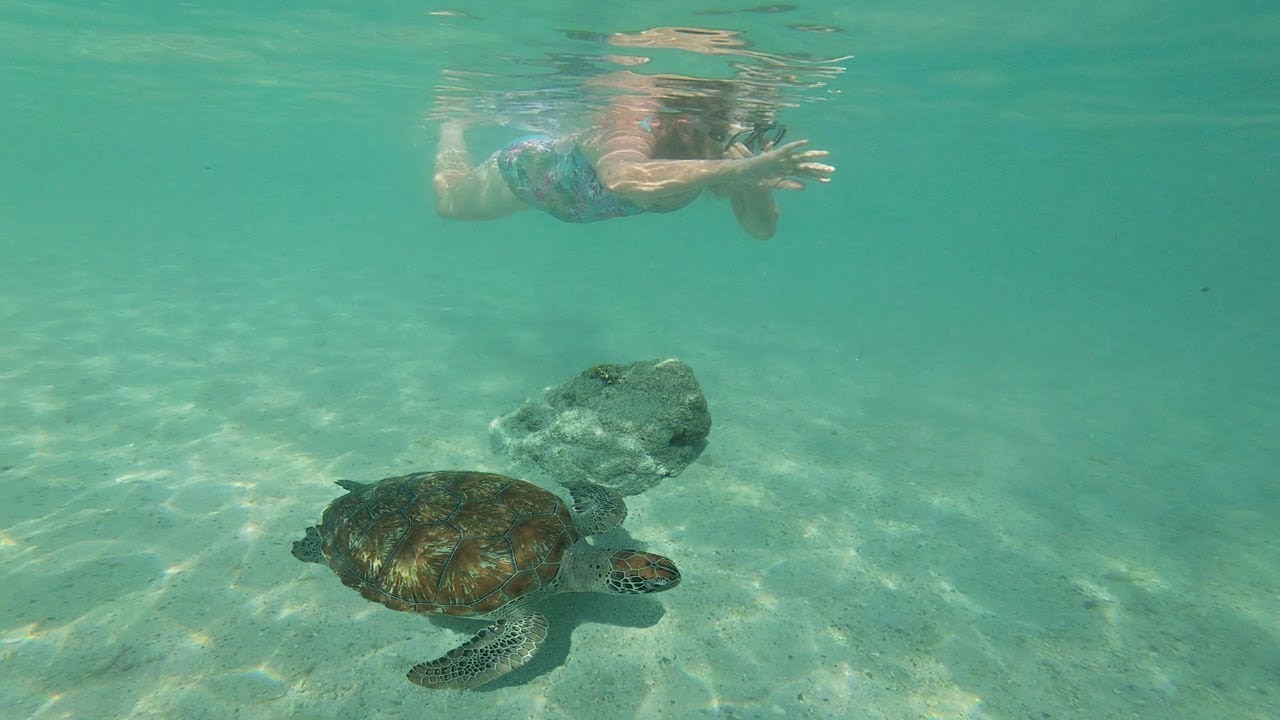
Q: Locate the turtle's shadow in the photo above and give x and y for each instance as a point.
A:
(565, 612)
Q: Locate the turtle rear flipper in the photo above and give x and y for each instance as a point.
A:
(596, 508)
(493, 652)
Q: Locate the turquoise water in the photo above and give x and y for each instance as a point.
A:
(994, 413)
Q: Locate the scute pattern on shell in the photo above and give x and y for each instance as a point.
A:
(459, 543)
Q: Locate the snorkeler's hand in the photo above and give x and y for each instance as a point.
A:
(783, 168)
(739, 151)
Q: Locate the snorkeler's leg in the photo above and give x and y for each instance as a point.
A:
(465, 191)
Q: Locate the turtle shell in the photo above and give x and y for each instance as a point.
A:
(459, 543)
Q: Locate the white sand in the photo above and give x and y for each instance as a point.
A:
(863, 538)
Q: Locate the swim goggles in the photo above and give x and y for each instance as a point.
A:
(758, 137)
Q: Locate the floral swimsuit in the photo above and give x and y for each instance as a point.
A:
(561, 182)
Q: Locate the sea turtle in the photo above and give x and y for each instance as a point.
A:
(479, 545)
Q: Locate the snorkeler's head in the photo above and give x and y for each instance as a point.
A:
(686, 136)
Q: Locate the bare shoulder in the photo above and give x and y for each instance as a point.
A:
(624, 132)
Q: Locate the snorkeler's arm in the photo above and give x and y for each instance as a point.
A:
(623, 159)
(625, 166)
(622, 153)
(753, 205)
(635, 178)
(755, 210)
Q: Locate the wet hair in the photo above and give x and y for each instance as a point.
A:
(707, 109)
(680, 137)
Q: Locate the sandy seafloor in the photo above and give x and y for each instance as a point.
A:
(995, 415)
(870, 534)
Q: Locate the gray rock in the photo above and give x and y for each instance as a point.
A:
(625, 426)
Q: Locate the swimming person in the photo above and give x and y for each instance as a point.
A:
(645, 154)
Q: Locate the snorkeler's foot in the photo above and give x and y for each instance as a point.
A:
(453, 160)
(452, 133)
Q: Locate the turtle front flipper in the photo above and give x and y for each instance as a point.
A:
(596, 508)
(493, 652)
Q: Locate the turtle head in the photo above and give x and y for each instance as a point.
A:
(633, 572)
